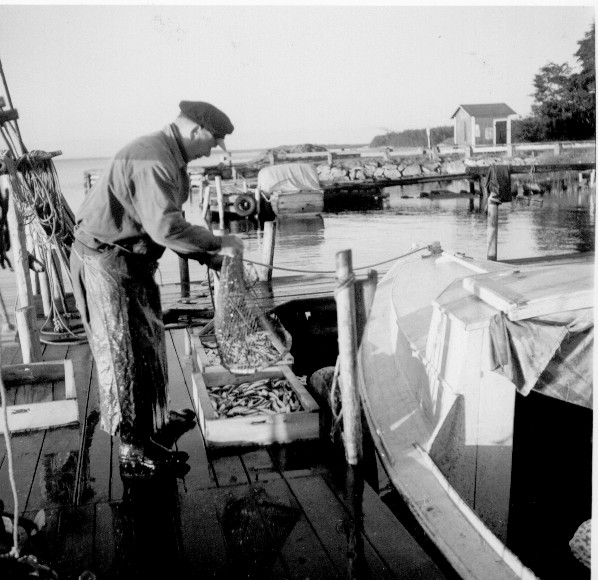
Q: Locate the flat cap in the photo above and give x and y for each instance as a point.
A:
(209, 117)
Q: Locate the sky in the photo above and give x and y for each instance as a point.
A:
(87, 79)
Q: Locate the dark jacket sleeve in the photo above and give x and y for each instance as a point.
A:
(158, 204)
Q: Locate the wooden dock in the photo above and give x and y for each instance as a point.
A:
(282, 511)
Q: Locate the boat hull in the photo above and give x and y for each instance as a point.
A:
(301, 203)
(442, 422)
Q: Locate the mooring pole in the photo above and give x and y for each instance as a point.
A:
(25, 315)
(492, 229)
(347, 346)
(184, 275)
(220, 199)
(268, 243)
(206, 203)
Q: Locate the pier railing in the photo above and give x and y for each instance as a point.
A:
(509, 150)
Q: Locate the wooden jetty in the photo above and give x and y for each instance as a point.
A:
(292, 510)
(278, 511)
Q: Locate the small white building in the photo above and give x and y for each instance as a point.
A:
(488, 124)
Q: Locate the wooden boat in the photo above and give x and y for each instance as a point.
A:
(291, 189)
(448, 343)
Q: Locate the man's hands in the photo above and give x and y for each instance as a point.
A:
(230, 246)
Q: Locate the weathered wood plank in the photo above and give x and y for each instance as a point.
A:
(74, 551)
(300, 548)
(26, 449)
(259, 466)
(228, 470)
(106, 538)
(180, 367)
(203, 545)
(331, 522)
(403, 556)
(252, 532)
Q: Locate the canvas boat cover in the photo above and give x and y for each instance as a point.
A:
(288, 178)
(541, 327)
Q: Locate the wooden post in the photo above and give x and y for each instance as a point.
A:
(200, 189)
(483, 194)
(369, 291)
(206, 203)
(492, 230)
(25, 315)
(44, 284)
(472, 194)
(268, 243)
(364, 298)
(258, 196)
(347, 346)
(57, 280)
(220, 199)
(184, 275)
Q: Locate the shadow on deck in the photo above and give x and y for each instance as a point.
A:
(281, 511)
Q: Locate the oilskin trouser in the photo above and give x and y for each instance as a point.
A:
(119, 302)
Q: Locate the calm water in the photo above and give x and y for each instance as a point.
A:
(565, 223)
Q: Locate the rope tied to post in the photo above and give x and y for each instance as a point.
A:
(345, 283)
(430, 247)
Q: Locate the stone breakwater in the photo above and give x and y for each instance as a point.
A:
(362, 169)
(372, 168)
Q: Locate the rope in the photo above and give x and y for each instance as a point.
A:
(11, 474)
(336, 417)
(271, 267)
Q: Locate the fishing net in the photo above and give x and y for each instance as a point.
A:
(249, 339)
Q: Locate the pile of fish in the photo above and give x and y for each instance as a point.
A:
(211, 350)
(265, 396)
(256, 351)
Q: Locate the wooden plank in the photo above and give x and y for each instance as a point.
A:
(331, 522)
(229, 470)
(180, 368)
(44, 371)
(300, 548)
(203, 545)
(94, 469)
(259, 466)
(105, 539)
(43, 544)
(151, 528)
(74, 552)
(24, 414)
(26, 449)
(250, 549)
(55, 476)
(117, 489)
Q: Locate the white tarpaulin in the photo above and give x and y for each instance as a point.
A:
(288, 178)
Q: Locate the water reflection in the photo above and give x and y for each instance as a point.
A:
(559, 221)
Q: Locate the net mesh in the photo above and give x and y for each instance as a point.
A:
(249, 339)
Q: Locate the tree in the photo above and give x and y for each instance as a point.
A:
(565, 102)
(584, 84)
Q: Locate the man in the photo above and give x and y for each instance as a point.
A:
(128, 218)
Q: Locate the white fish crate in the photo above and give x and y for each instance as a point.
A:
(40, 394)
(296, 419)
(207, 358)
